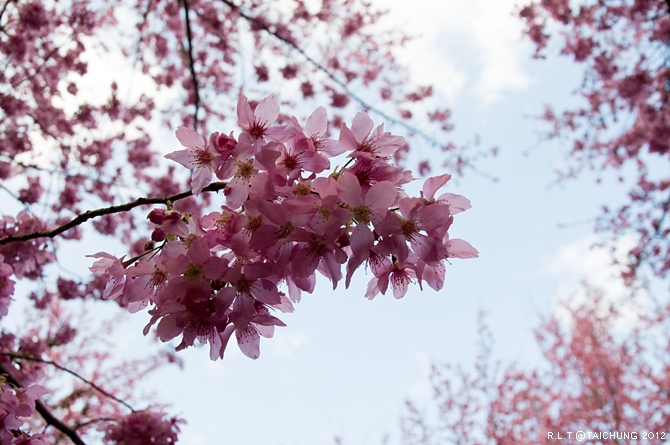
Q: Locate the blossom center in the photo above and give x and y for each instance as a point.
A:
(203, 157)
(246, 169)
(362, 214)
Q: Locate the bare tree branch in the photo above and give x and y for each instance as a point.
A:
(44, 412)
(191, 62)
(71, 372)
(213, 187)
(4, 8)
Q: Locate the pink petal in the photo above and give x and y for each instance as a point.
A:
(361, 126)
(434, 276)
(267, 293)
(382, 195)
(433, 216)
(249, 342)
(428, 248)
(459, 248)
(373, 288)
(186, 158)
(245, 117)
(274, 212)
(189, 138)
(198, 251)
(200, 179)
(170, 326)
(317, 123)
(433, 184)
(236, 193)
(361, 241)
(225, 336)
(280, 134)
(349, 189)
(457, 203)
(267, 110)
(331, 148)
(265, 331)
(400, 287)
(267, 320)
(347, 139)
(314, 162)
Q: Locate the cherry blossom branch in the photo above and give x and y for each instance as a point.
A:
(191, 63)
(72, 373)
(90, 214)
(49, 418)
(362, 102)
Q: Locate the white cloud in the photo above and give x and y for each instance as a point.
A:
(583, 260)
(474, 45)
(600, 268)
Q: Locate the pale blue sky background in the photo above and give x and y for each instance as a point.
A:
(344, 365)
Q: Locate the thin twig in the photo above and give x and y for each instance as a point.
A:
(71, 372)
(189, 39)
(90, 214)
(4, 8)
(44, 412)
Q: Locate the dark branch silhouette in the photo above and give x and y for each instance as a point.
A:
(191, 62)
(44, 412)
(90, 214)
(71, 372)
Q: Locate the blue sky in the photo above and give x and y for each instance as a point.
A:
(344, 365)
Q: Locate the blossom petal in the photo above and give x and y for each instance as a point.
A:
(249, 342)
(459, 248)
(361, 241)
(189, 138)
(433, 184)
(267, 110)
(186, 158)
(361, 126)
(200, 179)
(382, 195)
(457, 203)
(245, 117)
(317, 123)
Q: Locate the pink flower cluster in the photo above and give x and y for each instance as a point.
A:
(17, 404)
(6, 286)
(211, 276)
(25, 258)
(141, 428)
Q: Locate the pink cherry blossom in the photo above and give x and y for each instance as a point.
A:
(203, 158)
(6, 286)
(143, 427)
(113, 270)
(257, 124)
(364, 142)
(207, 278)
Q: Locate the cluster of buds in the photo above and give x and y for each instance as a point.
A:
(283, 220)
